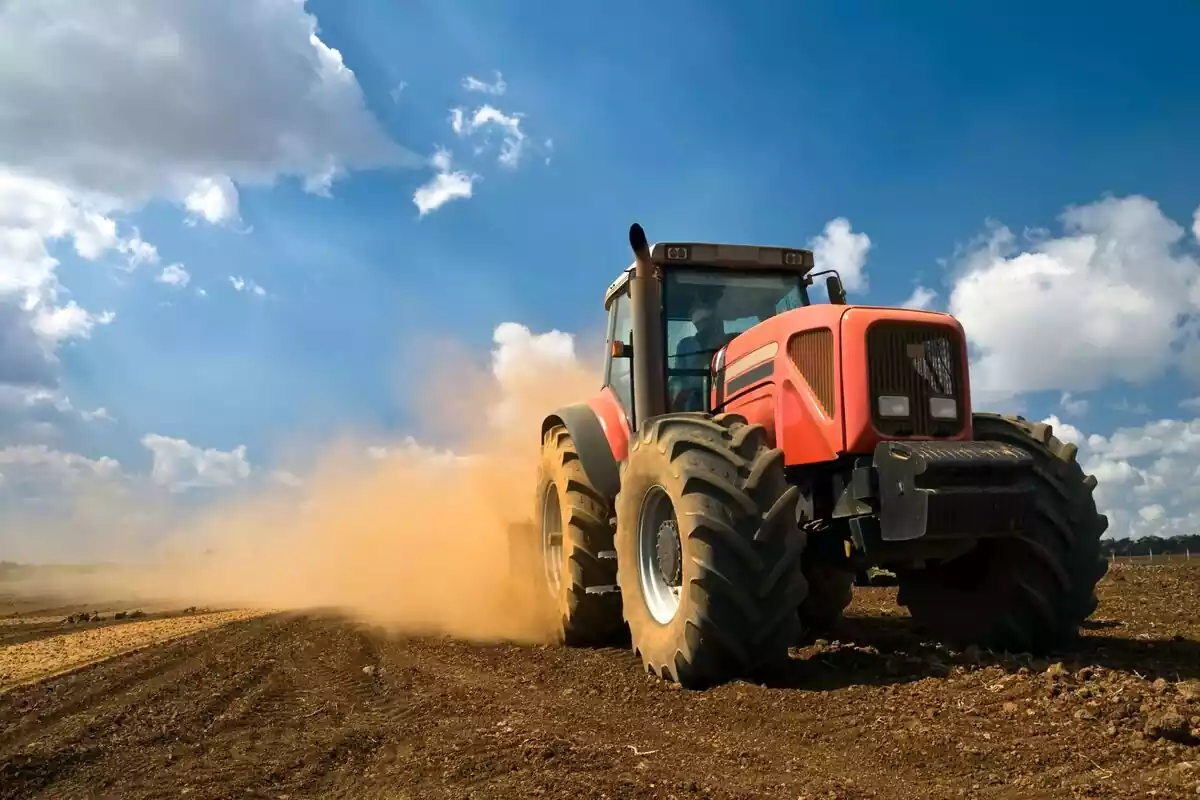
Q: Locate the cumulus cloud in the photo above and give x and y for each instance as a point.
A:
(69, 321)
(521, 358)
(1148, 476)
(25, 359)
(169, 98)
(446, 184)
(214, 200)
(174, 275)
(1115, 294)
(111, 106)
(488, 118)
(34, 213)
(180, 465)
(840, 248)
(921, 298)
(496, 87)
(39, 466)
(1152, 513)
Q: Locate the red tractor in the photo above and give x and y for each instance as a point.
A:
(750, 452)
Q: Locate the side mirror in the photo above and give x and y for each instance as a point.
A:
(837, 292)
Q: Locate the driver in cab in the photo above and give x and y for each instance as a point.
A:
(696, 352)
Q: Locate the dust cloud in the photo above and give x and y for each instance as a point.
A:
(398, 535)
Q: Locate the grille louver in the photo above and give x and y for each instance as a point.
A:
(812, 354)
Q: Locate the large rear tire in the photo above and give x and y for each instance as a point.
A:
(575, 546)
(709, 550)
(1026, 593)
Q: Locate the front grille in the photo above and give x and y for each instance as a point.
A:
(918, 361)
(812, 354)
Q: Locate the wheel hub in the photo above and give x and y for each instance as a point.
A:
(552, 540)
(660, 556)
(670, 555)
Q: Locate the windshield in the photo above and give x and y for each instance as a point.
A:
(704, 309)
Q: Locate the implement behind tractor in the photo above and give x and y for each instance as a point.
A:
(750, 453)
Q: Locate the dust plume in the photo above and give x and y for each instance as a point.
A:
(400, 535)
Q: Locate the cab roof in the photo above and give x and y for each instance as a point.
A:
(713, 255)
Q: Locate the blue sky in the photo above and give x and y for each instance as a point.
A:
(923, 125)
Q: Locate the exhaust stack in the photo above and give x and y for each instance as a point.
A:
(649, 363)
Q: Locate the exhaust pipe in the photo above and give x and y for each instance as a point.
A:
(649, 364)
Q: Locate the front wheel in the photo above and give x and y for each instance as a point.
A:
(1028, 592)
(708, 549)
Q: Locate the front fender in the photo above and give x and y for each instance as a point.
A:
(592, 445)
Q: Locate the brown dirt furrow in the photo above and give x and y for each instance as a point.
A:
(313, 706)
(44, 657)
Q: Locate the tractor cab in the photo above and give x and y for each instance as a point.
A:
(699, 298)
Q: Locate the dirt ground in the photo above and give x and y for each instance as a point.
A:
(293, 706)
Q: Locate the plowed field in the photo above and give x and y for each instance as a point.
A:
(221, 705)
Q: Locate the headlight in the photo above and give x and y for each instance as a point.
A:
(943, 408)
(892, 405)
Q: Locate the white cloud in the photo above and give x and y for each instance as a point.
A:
(39, 464)
(180, 465)
(34, 213)
(841, 249)
(487, 118)
(1191, 404)
(1113, 294)
(139, 251)
(1196, 223)
(1064, 430)
(1073, 405)
(99, 414)
(240, 284)
(921, 298)
(174, 275)
(1152, 513)
(522, 359)
(114, 106)
(446, 184)
(1161, 437)
(149, 97)
(398, 90)
(214, 200)
(497, 87)
(69, 322)
(1148, 476)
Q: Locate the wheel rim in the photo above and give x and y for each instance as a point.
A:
(552, 539)
(660, 562)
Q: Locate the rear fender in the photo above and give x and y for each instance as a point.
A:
(593, 441)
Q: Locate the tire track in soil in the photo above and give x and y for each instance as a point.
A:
(282, 706)
(55, 734)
